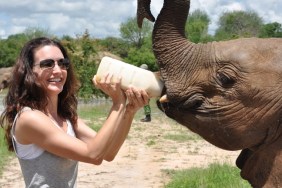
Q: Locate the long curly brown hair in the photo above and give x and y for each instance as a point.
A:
(24, 92)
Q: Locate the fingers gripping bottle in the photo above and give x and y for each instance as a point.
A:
(131, 76)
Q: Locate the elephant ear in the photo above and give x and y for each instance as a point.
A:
(143, 11)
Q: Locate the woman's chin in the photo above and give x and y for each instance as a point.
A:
(55, 89)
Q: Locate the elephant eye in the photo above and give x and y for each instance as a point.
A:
(225, 81)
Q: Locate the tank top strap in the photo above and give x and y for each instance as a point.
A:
(16, 117)
(12, 133)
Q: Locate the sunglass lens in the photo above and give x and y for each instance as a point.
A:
(64, 63)
(47, 63)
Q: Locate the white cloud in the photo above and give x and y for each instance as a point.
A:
(103, 18)
(58, 21)
(15, 29)
(2, 32)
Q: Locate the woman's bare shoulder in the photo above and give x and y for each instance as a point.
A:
(30, 116)
(30, 123)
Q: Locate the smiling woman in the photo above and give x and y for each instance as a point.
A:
(41, 122)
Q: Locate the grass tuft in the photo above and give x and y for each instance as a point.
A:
(4, 153)
(216, 175)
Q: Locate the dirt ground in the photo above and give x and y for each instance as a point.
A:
(149, 150)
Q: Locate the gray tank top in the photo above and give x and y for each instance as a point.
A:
(48, 170)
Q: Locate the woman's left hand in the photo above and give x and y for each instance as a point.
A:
(136, 99)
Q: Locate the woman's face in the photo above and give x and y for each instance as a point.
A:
(51, 79)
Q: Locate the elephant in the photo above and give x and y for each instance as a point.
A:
(228, 92)
(5, 77)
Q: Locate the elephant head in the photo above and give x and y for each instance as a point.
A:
(228, 92)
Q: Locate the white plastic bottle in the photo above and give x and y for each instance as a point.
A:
(131, 76)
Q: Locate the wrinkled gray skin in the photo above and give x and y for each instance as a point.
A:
(230, 93)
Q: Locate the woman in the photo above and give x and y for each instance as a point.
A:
(41, 122)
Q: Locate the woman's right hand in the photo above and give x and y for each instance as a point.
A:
(137, 98)
(111, 87)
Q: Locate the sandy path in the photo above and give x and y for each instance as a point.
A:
(142, 159)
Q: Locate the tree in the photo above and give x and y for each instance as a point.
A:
(133, 34)
(10, 49)
(271, 30)
(197, 25)
(82, 53)
(116, 46)
(34, 32)
(140, 43)
(143, 55)
(238, 24)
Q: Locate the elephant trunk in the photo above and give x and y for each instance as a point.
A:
(170, 44)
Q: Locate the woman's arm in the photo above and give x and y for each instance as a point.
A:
(137, 99)
(123, 123)
(34, 127)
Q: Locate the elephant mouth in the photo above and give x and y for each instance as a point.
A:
(166, 104)
(162, 103)
(170, 108)
(165, 107)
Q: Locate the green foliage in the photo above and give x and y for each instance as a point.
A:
(131, 33)
(271, 30)
(238, 24)
(140, 56)
(197, 27)
(115, 45)
(140, 43)
(216, 175)
(82, 52)
(10, 47)
(34, 32)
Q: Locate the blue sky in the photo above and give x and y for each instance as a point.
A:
(102, 18)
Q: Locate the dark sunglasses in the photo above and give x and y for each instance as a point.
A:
(63, 63)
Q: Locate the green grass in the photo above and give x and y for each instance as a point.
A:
(94, 115)
(215, 176)
(4, 153)
(90, 112)
(182, 137)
